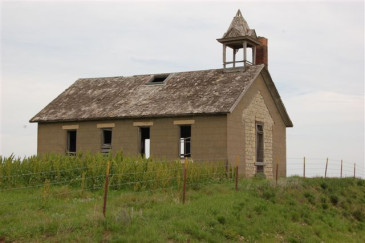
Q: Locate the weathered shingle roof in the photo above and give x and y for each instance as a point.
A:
(239, 28)
(185, 93)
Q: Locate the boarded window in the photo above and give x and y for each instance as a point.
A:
(106, 144)
(145, 141)
(185, 137)
(71, 142)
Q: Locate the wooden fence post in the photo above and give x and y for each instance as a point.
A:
(341, 168)
(277, 171)
(184, 188)
(237, 162)
(325, 172)
(106, 187)
(83, 182)
(354, 170)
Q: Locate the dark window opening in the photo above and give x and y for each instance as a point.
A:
(259, 142)
(71, 142)
(158, 79)
(145, 141)
(260, 169)
(185, 144)
(106, 140)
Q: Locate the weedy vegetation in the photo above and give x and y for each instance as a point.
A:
(294, 210)
(89, 170)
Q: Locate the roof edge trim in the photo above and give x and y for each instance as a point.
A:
(129, 117)
(245, 90)
(273, 92)
(276, 98)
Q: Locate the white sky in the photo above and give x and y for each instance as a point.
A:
(316, 59)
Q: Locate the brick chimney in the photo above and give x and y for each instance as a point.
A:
(261, 52)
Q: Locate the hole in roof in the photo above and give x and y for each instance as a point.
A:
(158, 79)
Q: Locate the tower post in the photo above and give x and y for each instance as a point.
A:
(224, 55)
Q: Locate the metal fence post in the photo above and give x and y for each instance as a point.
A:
(325, 172)
(185, 168)
(277, 171)
(106, 187)
(237, 162)
(354, 170)
(341, 168)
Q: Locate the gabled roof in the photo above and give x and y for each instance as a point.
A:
(239, 28)
(204, 92)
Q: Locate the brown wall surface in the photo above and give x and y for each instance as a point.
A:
(236, 138)
(208, 140)
(51, 138)
(235, 143)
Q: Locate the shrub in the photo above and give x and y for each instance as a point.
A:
(260, 176)
(309, 197)
(324, 185)
(359, 215)
(361, 182)
(221, 219)
(334, 199)
(269, 195)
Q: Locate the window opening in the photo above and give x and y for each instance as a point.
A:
(260, 146)
(71, 142)
(158, 79)
(106, 145)
(145, 142)
(185, 141)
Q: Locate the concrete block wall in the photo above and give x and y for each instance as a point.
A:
(208, 141)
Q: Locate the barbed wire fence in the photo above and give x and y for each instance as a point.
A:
(139, 181)
(178, 180)
(324, 167)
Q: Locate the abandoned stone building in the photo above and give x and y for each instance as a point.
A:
(208, 115)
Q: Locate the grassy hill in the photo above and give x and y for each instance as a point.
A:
(296, 210)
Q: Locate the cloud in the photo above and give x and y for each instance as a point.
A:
(326, 107)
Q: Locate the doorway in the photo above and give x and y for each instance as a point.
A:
(145, 143)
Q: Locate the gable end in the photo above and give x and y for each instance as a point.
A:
(273, 92)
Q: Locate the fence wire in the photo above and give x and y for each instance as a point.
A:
(316, 167)
(160, 179)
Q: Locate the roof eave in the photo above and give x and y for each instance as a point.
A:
(129, 117)
(276, 97)
(238, 38)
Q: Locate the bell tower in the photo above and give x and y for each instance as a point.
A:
(240, 36)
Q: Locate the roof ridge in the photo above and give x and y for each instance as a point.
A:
(149, 74)
(211, 91)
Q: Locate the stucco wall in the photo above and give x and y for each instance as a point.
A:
(208, 141)
(51, 138)
(209, 138)
(236, 125)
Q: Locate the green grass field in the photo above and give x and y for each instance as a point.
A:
(297, 210)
